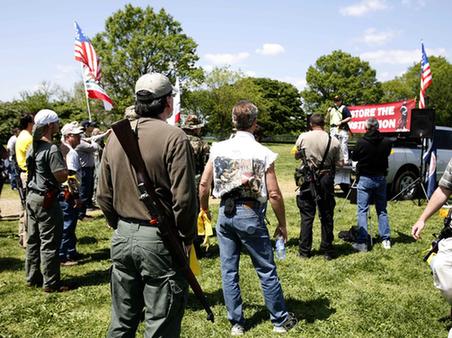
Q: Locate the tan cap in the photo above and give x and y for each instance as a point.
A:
(72, 128)
(156, 84)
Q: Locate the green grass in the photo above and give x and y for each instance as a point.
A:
(377, 294)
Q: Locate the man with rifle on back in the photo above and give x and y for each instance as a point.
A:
(322, 154)
(144, 271)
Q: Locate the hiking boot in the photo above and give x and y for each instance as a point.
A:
(288, 324)
(237, 330)
(360, 247)
(56, 288)
(386, 244)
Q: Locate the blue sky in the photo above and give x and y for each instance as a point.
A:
(276, 39)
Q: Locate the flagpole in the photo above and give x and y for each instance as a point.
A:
(86, 93)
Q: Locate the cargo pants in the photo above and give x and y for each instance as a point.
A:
(42, 263)
(143, 277)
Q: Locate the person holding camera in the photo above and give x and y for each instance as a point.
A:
(441, 264)
(323, 153)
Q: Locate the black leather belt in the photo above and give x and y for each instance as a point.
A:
(37, 192)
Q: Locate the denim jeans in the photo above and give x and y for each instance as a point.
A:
(68, 240)
(247, 230)
(86, 189)
(372, 188)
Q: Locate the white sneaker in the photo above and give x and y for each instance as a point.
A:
(237, 330)
(288, 324)
(361, 247)
(386, 244)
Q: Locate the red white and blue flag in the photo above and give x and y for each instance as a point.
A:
(91, 71)
(84, 52)
(426, 77)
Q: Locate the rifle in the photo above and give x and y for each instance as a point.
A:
(446, 232)
(166, 223)
(19, 185)
(306, 174)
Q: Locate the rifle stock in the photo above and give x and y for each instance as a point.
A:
(166, 223)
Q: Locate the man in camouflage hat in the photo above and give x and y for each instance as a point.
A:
(192, 127)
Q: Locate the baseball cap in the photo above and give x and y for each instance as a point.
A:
(72, 128)
(337, 98)
(46, 116)
(85, 124)
(156, 84)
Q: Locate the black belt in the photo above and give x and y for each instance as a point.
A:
(139, 221)
(37, 192)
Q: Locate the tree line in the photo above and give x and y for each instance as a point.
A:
(139, 40)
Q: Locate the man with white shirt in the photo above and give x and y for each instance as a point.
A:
(69, 197)
(244, 178)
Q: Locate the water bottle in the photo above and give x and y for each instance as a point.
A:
(280, 249)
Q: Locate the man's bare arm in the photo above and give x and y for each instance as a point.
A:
(276, 201)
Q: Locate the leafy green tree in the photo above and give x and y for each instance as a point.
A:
(137, 41)
(340, 73)
(284, 107)
(214, 102)
(439, 94)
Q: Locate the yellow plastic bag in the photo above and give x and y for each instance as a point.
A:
(293, 150)
(204, 228)
(194, 263)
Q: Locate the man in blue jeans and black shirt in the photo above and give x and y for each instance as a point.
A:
(371, 153)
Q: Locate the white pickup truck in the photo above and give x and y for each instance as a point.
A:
(405, 161)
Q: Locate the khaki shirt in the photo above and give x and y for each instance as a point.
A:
(168, 156)
(446, 179)
(315, 142)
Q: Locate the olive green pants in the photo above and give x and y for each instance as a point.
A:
(143, 277)
(44, 236)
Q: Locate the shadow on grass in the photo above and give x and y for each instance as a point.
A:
(309, 311)
(341, 249)
(89, 279)
(10, 263)
(214, 298)
(403, 238)
(87, 240)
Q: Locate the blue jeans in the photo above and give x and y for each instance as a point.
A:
(68, 240)
(86, 189)
(247, 229)
(372, 188)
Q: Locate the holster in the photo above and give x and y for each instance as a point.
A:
(229, 207)
(49, 198)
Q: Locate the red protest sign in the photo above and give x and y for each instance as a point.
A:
(392, 116)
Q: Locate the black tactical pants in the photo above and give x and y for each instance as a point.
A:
(307, 206)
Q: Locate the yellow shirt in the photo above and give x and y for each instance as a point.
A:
(23, 142)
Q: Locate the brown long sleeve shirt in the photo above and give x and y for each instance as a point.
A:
(169, 162)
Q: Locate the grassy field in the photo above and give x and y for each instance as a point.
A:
(376, 294)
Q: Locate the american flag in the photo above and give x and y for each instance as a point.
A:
(84, 52)
(426, 77)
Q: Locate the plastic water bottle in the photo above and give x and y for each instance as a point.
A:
(280, 249)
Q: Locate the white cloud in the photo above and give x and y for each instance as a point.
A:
(400, 56)
(270, 49)
(299, 82)
(250, 73)
(226, 58)
(65, 71)
(373, 37)
(364, 7)
(417, 4)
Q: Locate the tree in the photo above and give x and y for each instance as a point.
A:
(137, 41)
(340, 73)
(284, 107)
(214, 103)
(439, 94)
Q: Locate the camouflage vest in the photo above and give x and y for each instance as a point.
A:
(200, 151)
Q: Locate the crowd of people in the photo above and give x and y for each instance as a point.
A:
(83, 172)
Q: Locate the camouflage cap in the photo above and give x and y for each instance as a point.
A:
(192, 122)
